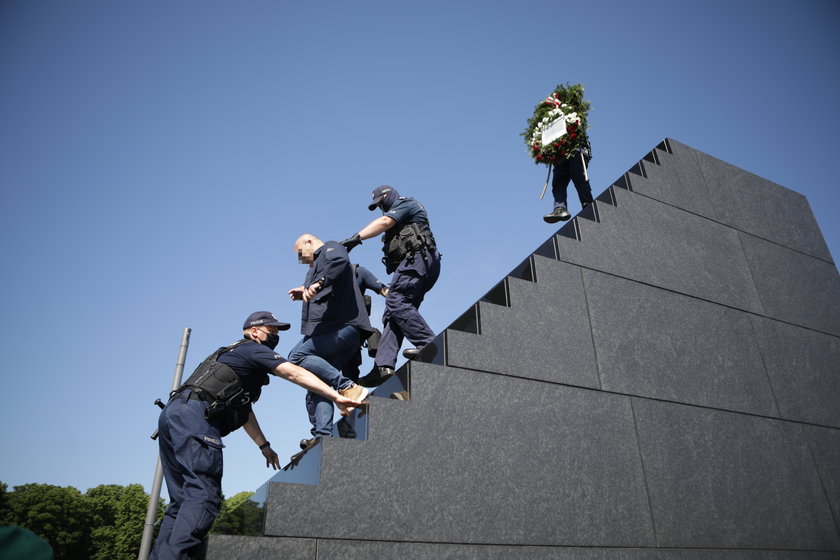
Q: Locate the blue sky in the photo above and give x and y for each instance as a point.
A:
(158, 160)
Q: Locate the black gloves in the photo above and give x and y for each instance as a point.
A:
(351, 242)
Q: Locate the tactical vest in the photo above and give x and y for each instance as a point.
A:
(217, 384)
(409, 240)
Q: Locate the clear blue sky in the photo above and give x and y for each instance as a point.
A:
(158, 160)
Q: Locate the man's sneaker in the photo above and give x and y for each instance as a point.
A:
(559, 214)
(355, 392)
(377, 376)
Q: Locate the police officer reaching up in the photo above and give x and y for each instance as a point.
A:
(214, 401)
(411, 254)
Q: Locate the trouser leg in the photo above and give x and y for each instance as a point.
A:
(402, 318)
(191, 456)
(578, 175)
(325, 355)
(560, 184)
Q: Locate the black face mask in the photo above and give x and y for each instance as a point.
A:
(271, 340)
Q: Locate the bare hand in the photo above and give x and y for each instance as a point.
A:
(296, 293)
(271, 458)
(344, 404)
(310, 292)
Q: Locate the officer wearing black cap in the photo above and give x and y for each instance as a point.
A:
(411, 254)
(214, 401)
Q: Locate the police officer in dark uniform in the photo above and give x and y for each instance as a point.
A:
(574, 169)
(214, 401)
(333, 323)
(411, 254)
(366, 281)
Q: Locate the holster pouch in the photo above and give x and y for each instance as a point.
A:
(372, 342)
(219, 385)
(410, 239)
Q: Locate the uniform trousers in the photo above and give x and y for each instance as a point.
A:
(570, 169)
(414, 277)
(191, 457)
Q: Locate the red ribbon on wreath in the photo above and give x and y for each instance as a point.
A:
(552, 100)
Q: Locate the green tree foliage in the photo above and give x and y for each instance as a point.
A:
(105, 523)
(61, 516)
(118, 514)
(4, 504)
(239, 516)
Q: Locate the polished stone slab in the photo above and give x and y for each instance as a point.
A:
(544, 334)
(794, 287)
(227, 547)
(726, 480)
(659, 344)
(479, 458)
(676, 180)
(651, 242)
(804, 369)
(825, 448)
(757, 206)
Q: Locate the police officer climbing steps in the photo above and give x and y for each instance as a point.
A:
(214, 401)
(411, 254)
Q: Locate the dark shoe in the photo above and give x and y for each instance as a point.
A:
(307, 443)
(428, 351)
(377, 376)
(559, 214)
(411, 353)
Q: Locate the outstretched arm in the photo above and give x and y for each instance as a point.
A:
(311, 382)
(377, 226)
(252, 427)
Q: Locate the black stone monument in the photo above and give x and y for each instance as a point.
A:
(660, 379)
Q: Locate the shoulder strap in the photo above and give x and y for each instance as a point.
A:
(215, 355)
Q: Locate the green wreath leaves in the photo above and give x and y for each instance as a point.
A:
(567, 103)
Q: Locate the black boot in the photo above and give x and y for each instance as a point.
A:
(377, 376)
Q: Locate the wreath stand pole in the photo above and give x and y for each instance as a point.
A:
(583, 159)
(542, 194)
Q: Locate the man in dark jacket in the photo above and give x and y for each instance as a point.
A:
(333, 324)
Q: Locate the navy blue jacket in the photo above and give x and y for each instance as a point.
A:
(339, 302)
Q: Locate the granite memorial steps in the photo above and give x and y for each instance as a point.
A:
(470, 320)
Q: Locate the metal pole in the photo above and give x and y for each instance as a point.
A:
(151, 512)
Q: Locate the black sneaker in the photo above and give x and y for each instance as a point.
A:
(411, 353)
(428, 351)
(377, 376)
(559, 214)
(307, 443)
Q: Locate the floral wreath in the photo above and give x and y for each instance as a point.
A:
(566, 103)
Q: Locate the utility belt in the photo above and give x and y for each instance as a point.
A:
(411, 239)
(218, 385)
